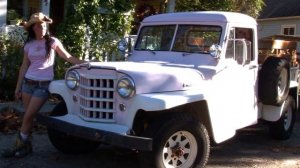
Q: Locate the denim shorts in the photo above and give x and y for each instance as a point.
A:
(36, 89)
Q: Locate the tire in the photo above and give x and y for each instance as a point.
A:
(282, 129)
(65, 143)
(274, 81)
(298, 81)
(180, 142)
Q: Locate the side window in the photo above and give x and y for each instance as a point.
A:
(240, 46)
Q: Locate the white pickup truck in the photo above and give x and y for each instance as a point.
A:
(191, 79)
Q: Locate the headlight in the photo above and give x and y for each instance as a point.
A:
(72, 80)
(126, 87)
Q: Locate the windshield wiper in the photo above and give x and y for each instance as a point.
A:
(153, 52)
(190, 53)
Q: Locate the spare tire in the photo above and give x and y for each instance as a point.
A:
(274, 81)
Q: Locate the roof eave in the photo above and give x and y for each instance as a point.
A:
(279, 18)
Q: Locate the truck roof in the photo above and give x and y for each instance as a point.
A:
(202, 16)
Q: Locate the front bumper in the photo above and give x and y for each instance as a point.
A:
(121, 140)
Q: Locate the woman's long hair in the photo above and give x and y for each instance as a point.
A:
(48, 38)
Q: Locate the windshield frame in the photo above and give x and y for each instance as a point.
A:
(210, 28)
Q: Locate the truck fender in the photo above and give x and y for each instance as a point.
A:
(272, 113)
(163, 101)
(157, 102)
(59, 87)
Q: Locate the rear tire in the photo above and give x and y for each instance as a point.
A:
(282, 129)
(65, 143)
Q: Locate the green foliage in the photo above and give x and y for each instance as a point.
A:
(11, 55)
(92, 28)
(12, 14)
(202, 5)
(250, 7)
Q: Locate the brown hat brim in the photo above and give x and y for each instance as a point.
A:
(37, 18)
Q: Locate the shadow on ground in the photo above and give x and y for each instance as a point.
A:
(251, 147)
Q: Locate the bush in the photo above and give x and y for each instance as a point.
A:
(11, 55)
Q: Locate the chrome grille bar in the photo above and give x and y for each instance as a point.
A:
(97, 98)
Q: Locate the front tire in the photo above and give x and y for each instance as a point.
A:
(282, 129)
(65, 143)
(180, 142)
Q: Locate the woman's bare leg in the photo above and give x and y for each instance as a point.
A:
(25, 99)
(32, 105)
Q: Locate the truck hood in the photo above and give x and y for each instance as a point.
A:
(155, 77)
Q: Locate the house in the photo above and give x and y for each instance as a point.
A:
(53, 8)
(279, 17)
(56, 9)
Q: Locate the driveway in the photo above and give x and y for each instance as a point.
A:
(251, 147)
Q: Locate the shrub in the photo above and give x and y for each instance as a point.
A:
(11, 55)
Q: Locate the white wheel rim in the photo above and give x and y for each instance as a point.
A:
(180, 150)
(288, 118)
(282, 82)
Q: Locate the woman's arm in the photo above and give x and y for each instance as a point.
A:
(63, 53)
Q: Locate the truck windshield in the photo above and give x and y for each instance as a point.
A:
(158, 38)
(188, 38)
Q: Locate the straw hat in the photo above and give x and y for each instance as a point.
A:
(37, 18)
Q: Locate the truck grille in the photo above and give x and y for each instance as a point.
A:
(97, 99)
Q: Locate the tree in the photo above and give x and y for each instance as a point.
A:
(91, 28)
(203, 5)
(250, 7)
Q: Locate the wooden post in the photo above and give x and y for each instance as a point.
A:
(171, 6)
(3, 12)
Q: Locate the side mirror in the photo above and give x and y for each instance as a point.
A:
(215, 50)
(122, 45)
(125, 45)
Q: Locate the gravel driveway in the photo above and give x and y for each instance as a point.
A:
(251, 147)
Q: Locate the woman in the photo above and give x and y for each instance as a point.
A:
(35, 75)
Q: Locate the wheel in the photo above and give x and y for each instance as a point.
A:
(65, 143)
(274, 81)
(282, 129)
(180, 142)
(298, 81)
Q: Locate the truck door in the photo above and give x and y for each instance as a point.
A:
(241, 71)
(235, 84)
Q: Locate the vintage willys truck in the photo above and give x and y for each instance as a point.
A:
(192, 79)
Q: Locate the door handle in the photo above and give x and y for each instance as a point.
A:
(252, 66)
